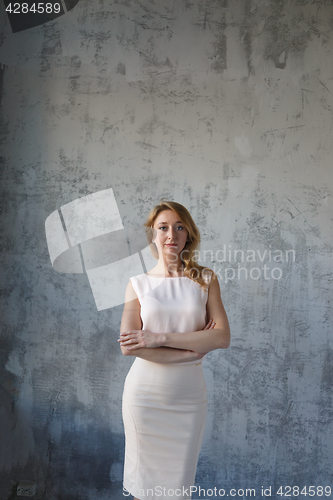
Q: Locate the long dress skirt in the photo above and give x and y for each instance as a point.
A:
(164, 414)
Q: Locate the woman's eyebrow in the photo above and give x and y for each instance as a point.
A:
(177, 222)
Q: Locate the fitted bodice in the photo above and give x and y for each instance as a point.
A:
(176, 304)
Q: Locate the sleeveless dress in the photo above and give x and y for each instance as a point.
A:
(165, 405)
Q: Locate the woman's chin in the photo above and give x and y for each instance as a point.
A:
(171, 250)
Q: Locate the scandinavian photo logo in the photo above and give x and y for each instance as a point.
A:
(230, 264)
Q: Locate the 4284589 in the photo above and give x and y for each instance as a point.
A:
(305, 491)
(35, 8)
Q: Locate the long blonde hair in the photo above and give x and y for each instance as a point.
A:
(192, 269)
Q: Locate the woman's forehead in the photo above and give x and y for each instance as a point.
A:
(167, 216)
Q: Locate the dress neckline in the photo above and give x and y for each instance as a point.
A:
(166, 277)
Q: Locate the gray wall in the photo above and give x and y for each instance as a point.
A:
(225, 107)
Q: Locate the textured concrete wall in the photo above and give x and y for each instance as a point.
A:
(226, 107)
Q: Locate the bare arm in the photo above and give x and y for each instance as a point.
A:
(214, 336)
(131, 320)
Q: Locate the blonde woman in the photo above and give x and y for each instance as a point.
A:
(173, 316)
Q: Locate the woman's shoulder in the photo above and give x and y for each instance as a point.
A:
(138, 281)
(208, 275)
(140, 284)
(138, 277)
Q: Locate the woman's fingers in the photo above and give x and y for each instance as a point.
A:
(136, 339)
(131, 343)
(136, 346)
(129, 338)
(210, 325)
(132, 332)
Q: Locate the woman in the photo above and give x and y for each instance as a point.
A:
(172, 317)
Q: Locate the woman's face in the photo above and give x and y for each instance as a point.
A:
(170, 234)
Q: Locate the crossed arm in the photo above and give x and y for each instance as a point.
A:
(173, 347)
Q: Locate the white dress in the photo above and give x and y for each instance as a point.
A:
(165, 405)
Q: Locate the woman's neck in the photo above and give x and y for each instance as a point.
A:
(169, 268)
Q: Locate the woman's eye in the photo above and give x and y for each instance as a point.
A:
(180, 227)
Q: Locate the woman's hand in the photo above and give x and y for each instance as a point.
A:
(210, 325)
(194, 356)
(135, 339)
